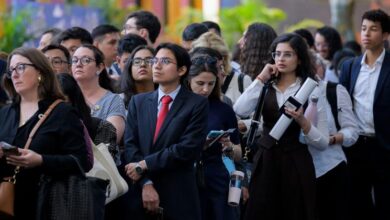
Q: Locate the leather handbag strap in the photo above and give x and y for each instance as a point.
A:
(40, 122)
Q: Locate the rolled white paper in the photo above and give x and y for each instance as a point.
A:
(305, 91)
(301, 96)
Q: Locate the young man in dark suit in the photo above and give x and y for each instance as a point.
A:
(367, 78)
(165, 132)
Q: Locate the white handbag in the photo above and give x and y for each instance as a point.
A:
(104, 167)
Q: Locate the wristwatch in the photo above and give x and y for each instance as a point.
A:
(139, 169)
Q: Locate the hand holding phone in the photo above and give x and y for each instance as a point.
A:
(9, 149)
(215, 135)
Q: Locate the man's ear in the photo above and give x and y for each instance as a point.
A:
(96, 44)
(118, 59)
(182, 70)
(144, 33)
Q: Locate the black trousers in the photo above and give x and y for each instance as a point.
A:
(369, 169)
(332, 193)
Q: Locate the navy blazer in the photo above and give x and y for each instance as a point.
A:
(349, 74)
(171, 158)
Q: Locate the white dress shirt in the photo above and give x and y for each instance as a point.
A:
(363, 94)
(246, 104)
(328, 158)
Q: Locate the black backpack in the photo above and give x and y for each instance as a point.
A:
(229, 78)
(331, 96)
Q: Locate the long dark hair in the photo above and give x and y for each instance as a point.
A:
(128, 83)
(73, 92)
(332, 38)
(255, 53)
(305, 67)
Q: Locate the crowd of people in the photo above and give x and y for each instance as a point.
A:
(156, 106)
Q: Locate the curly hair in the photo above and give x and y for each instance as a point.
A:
(255, 52)
(213, 41)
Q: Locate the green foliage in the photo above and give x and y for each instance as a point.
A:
(14, 30)
(306, 23)
(113, 14)
(235, 20)
(189, 15)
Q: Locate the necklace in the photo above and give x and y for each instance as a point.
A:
(94, 107)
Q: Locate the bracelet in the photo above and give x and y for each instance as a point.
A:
(260, 79)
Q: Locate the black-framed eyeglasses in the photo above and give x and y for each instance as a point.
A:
(204, 59)
(57, 61)
(84, 60)
(139, 61)
(162, 60)
(19, 69)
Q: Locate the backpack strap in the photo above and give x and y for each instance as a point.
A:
(331, 96)
(241, 83)
(227, 81)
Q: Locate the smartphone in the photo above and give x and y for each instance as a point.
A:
(9, 149)
(215, 134)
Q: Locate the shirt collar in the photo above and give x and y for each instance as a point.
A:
(173, 94)
(379, 60)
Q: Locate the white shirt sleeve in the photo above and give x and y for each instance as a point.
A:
(247, 101)
(347, 119)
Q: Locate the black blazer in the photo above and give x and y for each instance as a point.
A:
(349, 74)
(60, 135)
(171, 158)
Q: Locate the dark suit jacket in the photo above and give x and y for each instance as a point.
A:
(348, 77)
(170, 159)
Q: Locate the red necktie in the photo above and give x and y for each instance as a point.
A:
(165, 100)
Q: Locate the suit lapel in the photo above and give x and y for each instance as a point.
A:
(152, 117)
(355, 73)
(176, 106)
(385, 71)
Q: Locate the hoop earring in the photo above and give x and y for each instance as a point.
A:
(39, 79)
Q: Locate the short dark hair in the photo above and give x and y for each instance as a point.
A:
(127, 80)
(52, 31)
(129, 42)
(146, 19)
(49, 88)
(380, 16)
(332, 38)
(214, 25)
(339, 57)
(58, 47)
(104, 80)
(305, 67)
(197, 69)
(193, 31)
(306, 35)
(103, 29)
(75, 33)
(181, 55)
(353, 46)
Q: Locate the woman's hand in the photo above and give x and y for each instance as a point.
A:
(268, 71)
(27, 159)
(299, 118)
